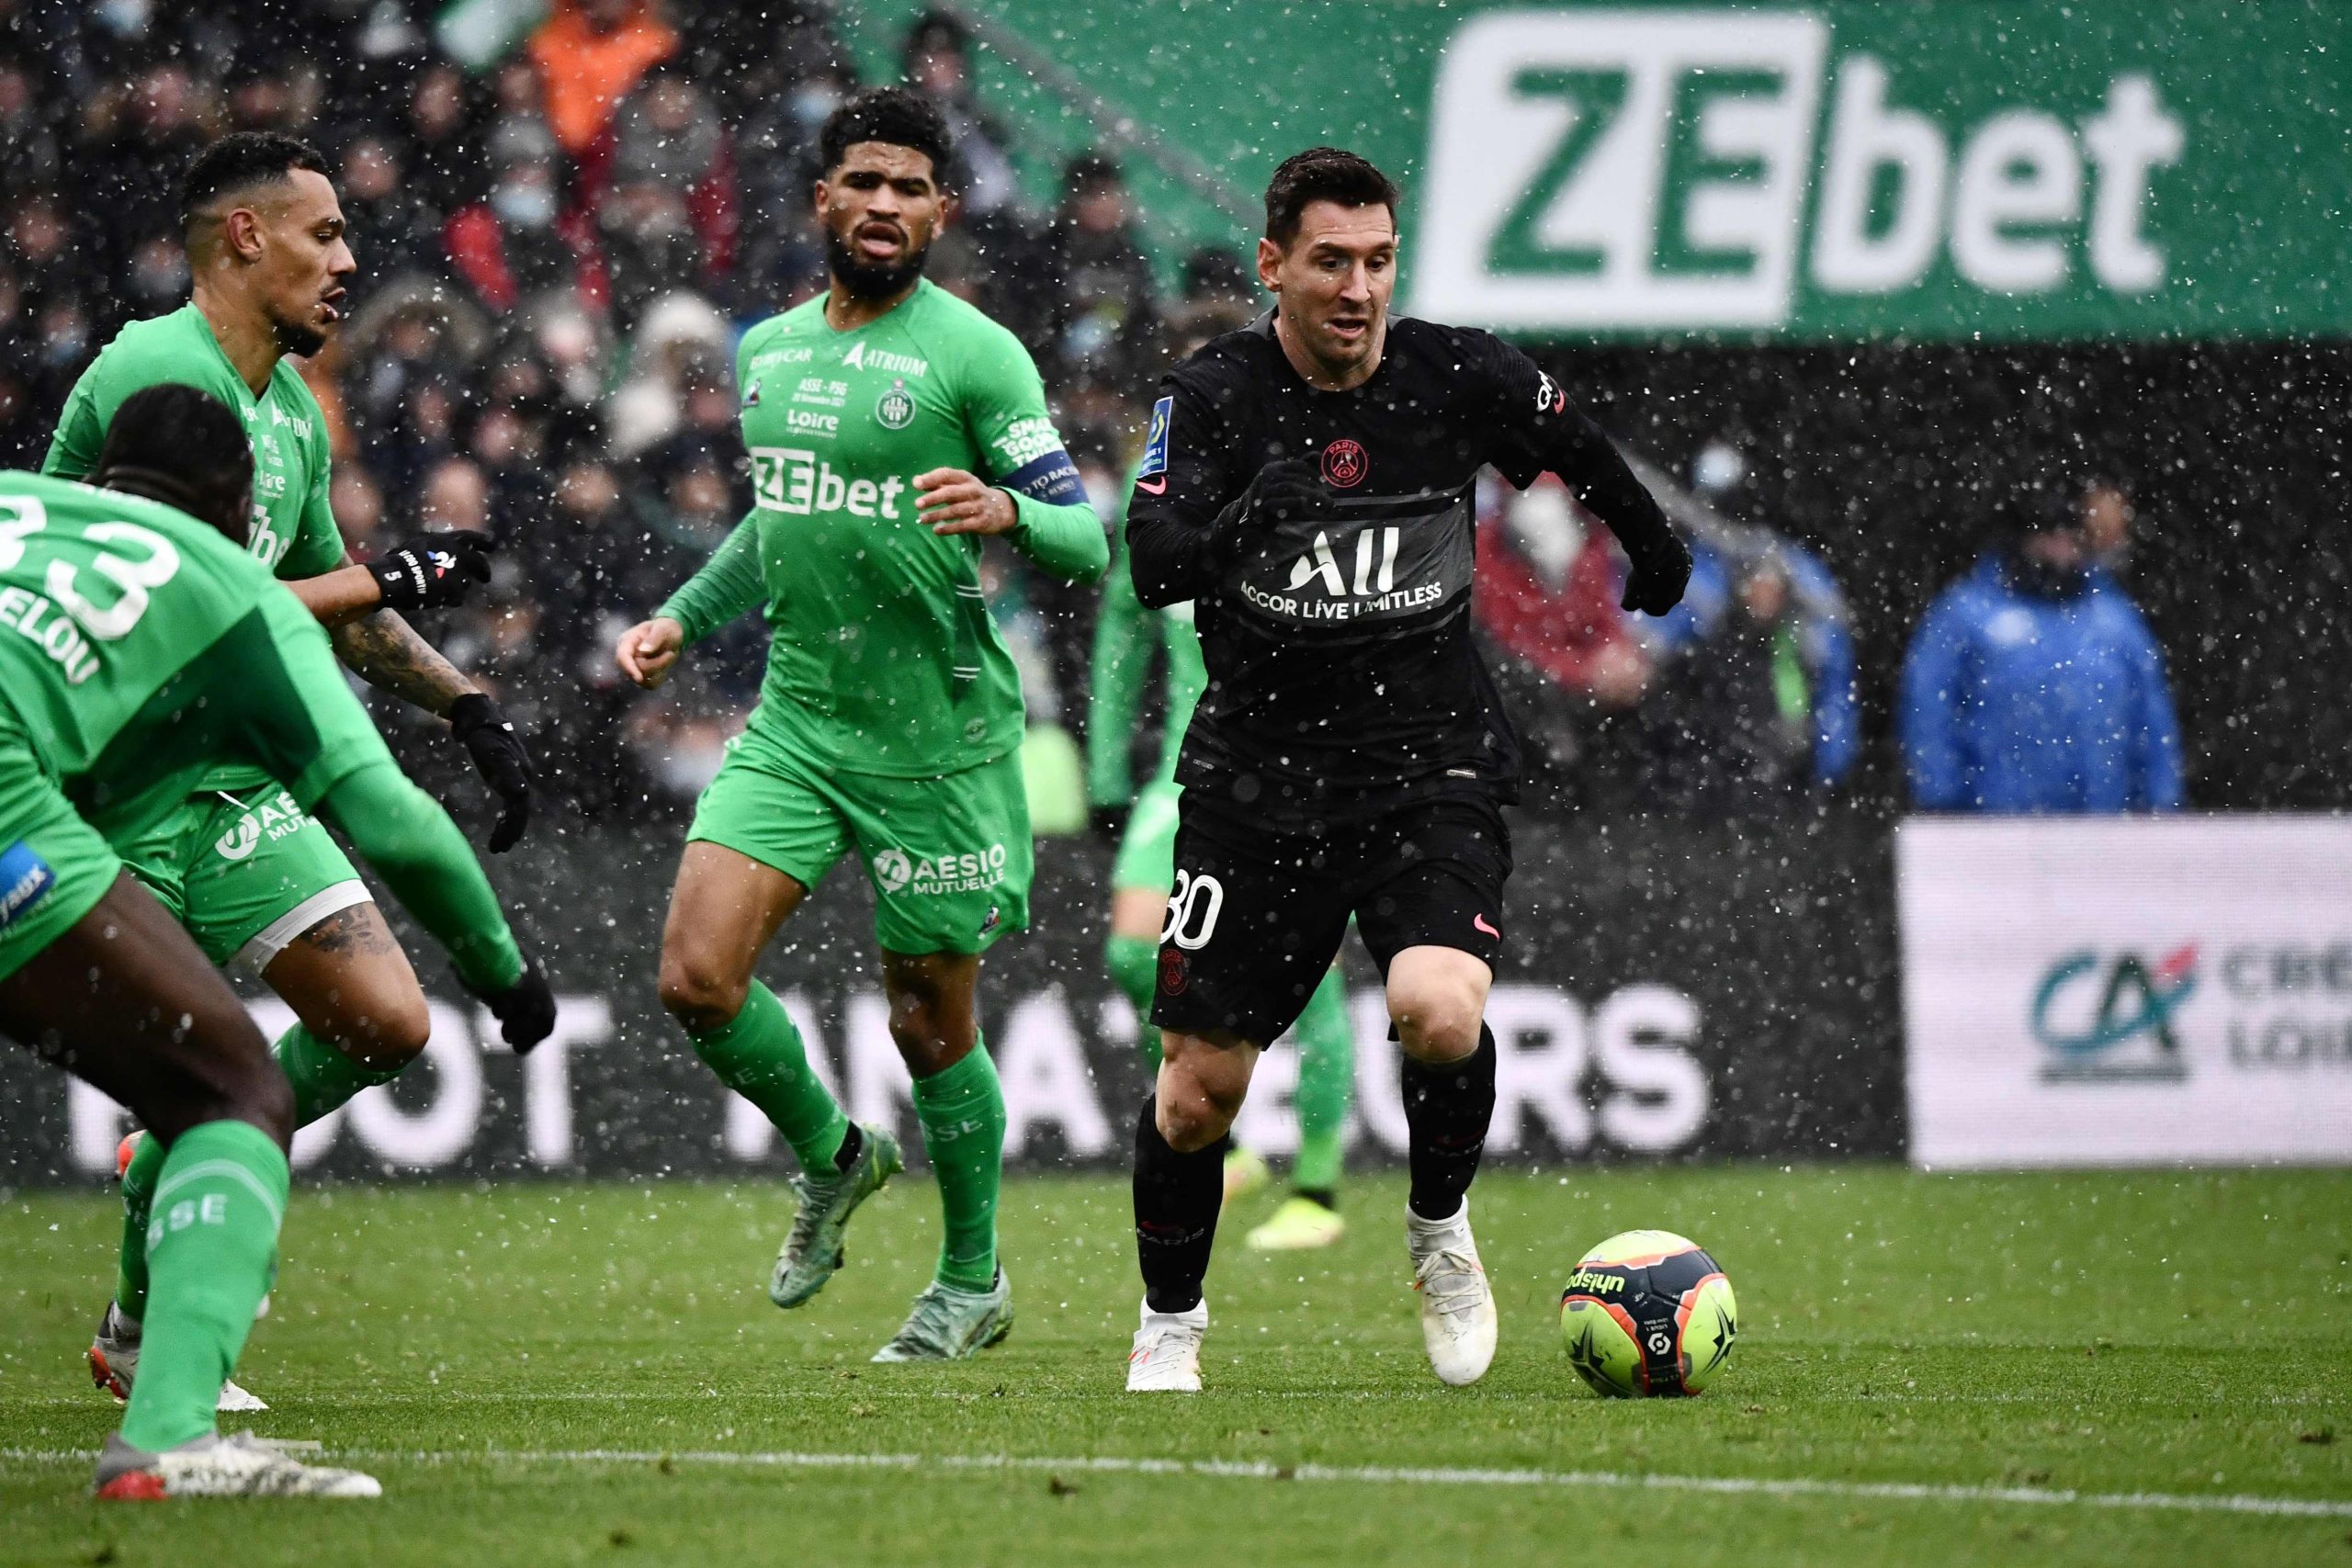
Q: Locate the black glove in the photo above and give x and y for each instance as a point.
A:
(1656, 582)
(525, 1010)
(499, 756)
(1283, 491)
(432, 571)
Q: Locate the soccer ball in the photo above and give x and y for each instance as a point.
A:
(1648, 1314)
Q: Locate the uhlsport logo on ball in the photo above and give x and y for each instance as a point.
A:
(1648, 1314)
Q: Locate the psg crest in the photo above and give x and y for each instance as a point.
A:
(1344, 463)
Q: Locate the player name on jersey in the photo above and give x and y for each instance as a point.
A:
(38, 621)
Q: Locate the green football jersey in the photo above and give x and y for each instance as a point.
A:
(884, 659)
(293, 527)
(139, 648)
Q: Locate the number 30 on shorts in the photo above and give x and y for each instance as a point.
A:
(1192, 906)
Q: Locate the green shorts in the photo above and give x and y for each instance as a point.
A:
(247, 877)
(949, 858)
(54, 867)
(1147, 849)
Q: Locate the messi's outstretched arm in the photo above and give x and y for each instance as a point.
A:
(1538, 429)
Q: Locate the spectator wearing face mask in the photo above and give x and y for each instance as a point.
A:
(511, 248)
(411, 347)
(669, 134)
(2034, 686)
(782, 258)
(646, 235)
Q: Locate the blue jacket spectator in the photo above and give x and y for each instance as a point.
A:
(2034, 686)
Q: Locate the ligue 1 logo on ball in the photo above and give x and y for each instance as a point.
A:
(1344, 463)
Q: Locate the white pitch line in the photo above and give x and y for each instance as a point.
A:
(1259, 1470)
(870, 1392)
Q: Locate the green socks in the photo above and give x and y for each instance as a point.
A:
(1133, 962)
(761, 1056)
(211, 1248)
(1327, 1066)
(1134, 966)
(323, 1080)
(961, 1113)
(131, 1260)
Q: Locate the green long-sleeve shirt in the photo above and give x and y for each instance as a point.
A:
(141, 653)
(884, 659)
(1123, 635)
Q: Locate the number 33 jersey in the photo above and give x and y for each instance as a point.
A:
(139, 648)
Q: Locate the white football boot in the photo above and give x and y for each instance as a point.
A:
(1167, 1354)
(214, 1466)
(114, 1362)
(1458, 1320)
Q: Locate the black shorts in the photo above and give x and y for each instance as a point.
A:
(1256, 917)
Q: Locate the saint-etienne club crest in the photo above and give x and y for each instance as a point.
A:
(896, 408)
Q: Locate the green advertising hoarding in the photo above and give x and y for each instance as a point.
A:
(1845, 170)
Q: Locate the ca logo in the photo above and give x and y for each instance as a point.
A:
(893, 869)
(1192, 908)
(239, 842)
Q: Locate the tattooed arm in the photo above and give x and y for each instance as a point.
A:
(385, 651)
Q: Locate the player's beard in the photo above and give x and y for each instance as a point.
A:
(864, 279)
(297, 337)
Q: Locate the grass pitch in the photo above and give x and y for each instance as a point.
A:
(2056, 1368)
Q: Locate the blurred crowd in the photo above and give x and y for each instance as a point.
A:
(566, 214)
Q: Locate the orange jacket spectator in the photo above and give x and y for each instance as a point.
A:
(591, 54)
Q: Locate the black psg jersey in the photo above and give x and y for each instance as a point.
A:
(1342, 677)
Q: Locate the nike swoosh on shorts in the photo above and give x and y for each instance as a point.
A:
(1151, 488)
(1480, 922)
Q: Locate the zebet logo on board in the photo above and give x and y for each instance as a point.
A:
(1710, 169)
